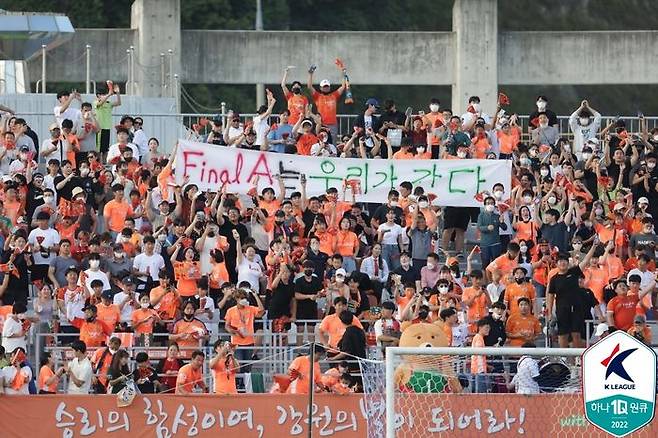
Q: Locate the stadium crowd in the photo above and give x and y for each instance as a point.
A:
(100, 251)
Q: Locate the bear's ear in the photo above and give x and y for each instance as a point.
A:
(404, 325)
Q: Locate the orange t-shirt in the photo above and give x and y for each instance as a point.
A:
(296, 105)
(168, 305)
(305, 142)
(478, 362)
(116, 212)
(504, 265)
(46, 373)
(623, 308)
(326, 104)
(526, 230)
(218, 275)
(224, 379)
(508, 142)
(93, 334)
(188, 377)
(242, 319)
(527, 326)
(105, 366)
(108, 315)
(402, 155)
(347, 243)
(301, 367)
(481, 147)
(4, 311)
(327, 241)
(478, 308)
(335, 329)
(614, 266)
(514, 291)
(13, 209)
(139, 315)
(431, 119)
(606, 234)
(196, 328)
(596, 279)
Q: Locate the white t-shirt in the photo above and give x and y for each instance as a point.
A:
(82, 370)
(141, 140)
(96, 275)
(328, 151)
(204, 256)
(391, 237)
(647, 279)
(73, 114)
(57, 154)
(260, 126)
(115, 152)
(208, 304)
(74, 302)
(524, 381)
(250, 271)
(9, 372)
(234, 133)
(127, 311)
(154, 263)
(11, 328)
(46, 238)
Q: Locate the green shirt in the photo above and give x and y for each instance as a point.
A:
(104, 114)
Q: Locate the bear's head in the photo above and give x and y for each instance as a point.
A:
(423, 335)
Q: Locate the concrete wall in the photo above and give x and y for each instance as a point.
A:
(550, 58)
(567, 58)
(371, 57)
(108, 57)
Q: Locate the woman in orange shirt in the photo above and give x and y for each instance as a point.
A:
(48, 378)
(525, 227)
(347, 245)
(186, 285)
(224, 367)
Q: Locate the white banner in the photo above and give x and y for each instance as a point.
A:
(454, 182)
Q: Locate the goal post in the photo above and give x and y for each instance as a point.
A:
(447, 389)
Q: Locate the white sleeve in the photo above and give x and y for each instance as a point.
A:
(379, 329)
(572, 121)
(533, 367)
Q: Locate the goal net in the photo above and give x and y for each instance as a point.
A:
(420, 392)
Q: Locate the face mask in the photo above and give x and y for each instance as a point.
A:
(430, 266)
(588, 224)
(489, 207)
(443, 289)
(527, 199)
(541, 105)
(434, 107)
(144, 305)
(125, 239)
(543, 125)
(113, 351)
(584, 121)
(394, 203)
(476, 107)
(423, 204)
(308, 272)
(340, 280)
(533, 153)
(498, 194)
(524, 161)
(21, 316)
(496, 316)
(651, 165)
(118, 255)
(598, 211)
(48, 199)
(577, 246)
(244, 302)
(552, 200)
(315, 247)
(655, 137)
(586, 156)
(84, 172)
(461, 154)
(94, 264)
(162, 237)
(519, 280)
(296, 90)
(523, 248)
(420, 150)
(188, 317)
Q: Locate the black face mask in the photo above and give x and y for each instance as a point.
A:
(188, 317)
(91, 319)
(308, 272)
(519, 280)
(211, 234)
(296, 90)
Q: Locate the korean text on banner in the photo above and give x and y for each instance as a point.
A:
(454, 182)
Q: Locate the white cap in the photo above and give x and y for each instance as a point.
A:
(601, 328)
(341, 271)
(619, 206)
(594, 141)
(325, 83)
(643, 200)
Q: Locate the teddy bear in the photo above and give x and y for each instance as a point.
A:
(425, 374)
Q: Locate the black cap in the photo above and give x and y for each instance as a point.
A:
(108, 294)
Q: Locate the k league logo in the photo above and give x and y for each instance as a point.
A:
(619, 384)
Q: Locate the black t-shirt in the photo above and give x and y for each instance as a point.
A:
(319, 261)
(307, 309)
(226, 230)
(586, 302)
(308, 217)
(408, 276)
(613, 172)
(556, 235)
(281, 301)
(65, 192)
(353, 342)
(552, 118)
(496, 331)
(380, 214)
(563, 286)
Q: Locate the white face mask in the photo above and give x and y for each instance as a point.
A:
(650, 164)
(434, 107)
(144, 305)
(598, 211)
(490, 207)
(113, 351)
(541, 105)
(340, 279)
(567, 147)
(552, 200)
(527, 199)
(162, 237)
(584, 121)
(524, 161)
(496, 315)
(430, 266)
(48, 199)
(476, 107)
(577, 246)
(244, 302)
(543, 125)
(84, 172)
(118, 255)
(420, 149)
(498, 194)
(94, 264)
(586, 156)
(523, 248)
(655, 137)
(443, 289)
(423, 204)
(21, 316)
(394, 203)
(461, 154)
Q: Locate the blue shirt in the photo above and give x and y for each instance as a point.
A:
(278, 134)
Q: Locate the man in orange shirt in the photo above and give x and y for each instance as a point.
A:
(107, 312)
(164, 298)
(239, 322)
(476, 300)
(433, 120)
(116, 211)
(405, 153)
(102, 359)
(331, 329)
(596, 278)
(144, 318)
(505, 263)
(296, 100)
(326, 101)
(92, 332)
(224, 367)
(327, 237)
(622, 308)
(300, 371)
(189, 332)
(190, 376)
(523, 326)
(520, 288)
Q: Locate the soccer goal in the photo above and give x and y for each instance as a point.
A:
(534, 392)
